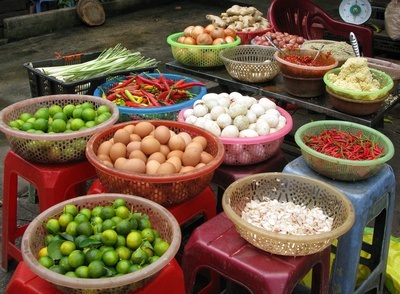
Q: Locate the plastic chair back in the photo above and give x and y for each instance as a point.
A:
(301, 16)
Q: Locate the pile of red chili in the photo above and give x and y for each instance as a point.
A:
(147, 91)
(345, 145)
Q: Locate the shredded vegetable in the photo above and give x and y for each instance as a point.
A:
(110, 60)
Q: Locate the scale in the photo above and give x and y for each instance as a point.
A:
(355, 11)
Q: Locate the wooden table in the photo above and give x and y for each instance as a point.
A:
(275, 89)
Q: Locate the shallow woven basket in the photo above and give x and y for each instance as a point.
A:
(198, 55)
(246, 151)
(161, 220)
(285, 187)
(343, 169)
(52, 148)
(250, 63)
(162, 189)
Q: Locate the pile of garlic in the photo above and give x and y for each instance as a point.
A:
(235, 115)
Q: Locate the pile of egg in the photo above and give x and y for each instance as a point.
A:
(149, 149)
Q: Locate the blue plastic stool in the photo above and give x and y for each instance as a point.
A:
(373, 201)
(39, 5)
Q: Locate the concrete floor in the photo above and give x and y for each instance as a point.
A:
(145, 31)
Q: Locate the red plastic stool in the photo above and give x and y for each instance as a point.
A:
(225, 175)
(54, 183)
(203, 204)
(216, 245)
(169, 280)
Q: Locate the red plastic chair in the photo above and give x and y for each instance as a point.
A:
(300, 18)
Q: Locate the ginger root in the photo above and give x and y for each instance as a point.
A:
(240, 18)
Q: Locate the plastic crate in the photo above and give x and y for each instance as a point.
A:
(42, 84)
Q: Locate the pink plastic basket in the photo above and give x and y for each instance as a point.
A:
(245, 151)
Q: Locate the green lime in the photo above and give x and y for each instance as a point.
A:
(144, 223)
(109, 237)
(76, 258)
(42, 113)
(88, 114)
(63, 263)
(119, 202)
(46, 261)
(60, 115)
(116, 219)
(103, 109)
(31, 120)
(96, 211)
(64, 219)
(154, 258)
(134, 268)
(86, 211)
(57, 269)
(160, 248)
(148, 235)
(71, 228)
(14, 124)
(25, 116)
(121, 241)
(110, 258)
(107, 212)
(123, 252)
(77, 124)
(93, 254)
(122, 211)
(53, 226)
(68, 110)
(97, 269)
(79, 241)
(82, 272)
(27, 126)
(67, 247)
(85, 228)
(123, 227)
(122, 266)
(87, 104)
(41, 124)
(102, 118)
(58, 125)
(133, 240)
(71, 274)
(139, 256)
(90, 124)
(108, 224)
(54, 109)
(81, 218)
(77, 113)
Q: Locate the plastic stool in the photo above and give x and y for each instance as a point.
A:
(225, 175)
(373, 201)
(39, 5)
(169, 279)
(217, 245)
(54, 183)
(203, 204)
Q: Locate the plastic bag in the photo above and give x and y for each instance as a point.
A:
(392, 281)
(392, 19)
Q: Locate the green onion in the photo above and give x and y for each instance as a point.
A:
(110, 60)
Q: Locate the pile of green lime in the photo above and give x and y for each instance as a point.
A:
(106, 241)
(57, 119)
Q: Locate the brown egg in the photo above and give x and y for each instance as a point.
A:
(117, 150)
(134, 145)
(176, 143)
(104, 148)
(134, 165)
(200, 164)
(177, 162)
(196, 145)
(135, 137)
(122, 136)
(120, 162)
(138, 154)
(164, 149)
(166, 168)
(206, 157)
(162, 134)
(201, 140)
(104, 157)
(186, 137)
(175, 153)
(186, 169)
(191, 156)
(158, 156)
(152, 167)
(130, 128)
(149, 145)
(144, 128)
(108, 163)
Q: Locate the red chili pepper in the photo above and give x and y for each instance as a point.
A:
(164, 82)
(190, 85)
(152, 82)
(151, 98)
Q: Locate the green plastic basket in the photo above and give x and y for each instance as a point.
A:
(198, 55)
(337, 168)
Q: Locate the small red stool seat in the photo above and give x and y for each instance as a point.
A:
(225, 175)
(54, 184)
(203, 204)
(169, 280)
(216, 245)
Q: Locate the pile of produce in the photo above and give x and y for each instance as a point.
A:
(209, 35)
(144, 148)
(105, 241)
(280, 39)
(235, 115)
(110, 60)
(147, 91)
(240, 18)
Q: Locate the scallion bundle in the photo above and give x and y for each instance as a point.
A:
(110, 60)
